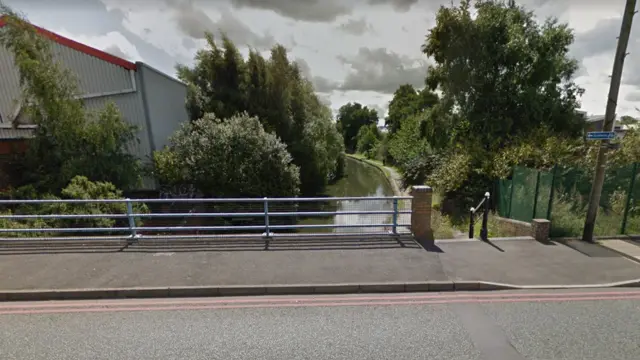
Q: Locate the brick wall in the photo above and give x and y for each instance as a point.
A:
(513, 227)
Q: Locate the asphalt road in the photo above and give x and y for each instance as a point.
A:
(572, 324)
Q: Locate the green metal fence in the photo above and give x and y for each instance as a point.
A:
(561, 195)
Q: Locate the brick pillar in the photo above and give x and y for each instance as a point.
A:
(421, 213)
(540, 229)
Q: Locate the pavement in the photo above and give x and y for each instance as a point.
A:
(523, 325)
(295, 262)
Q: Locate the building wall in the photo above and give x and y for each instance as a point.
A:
(164, 102)
(100, 82)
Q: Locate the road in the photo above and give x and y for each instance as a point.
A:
(571, 324)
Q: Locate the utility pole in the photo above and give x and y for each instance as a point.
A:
(612, 100)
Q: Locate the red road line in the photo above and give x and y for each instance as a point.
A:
(311, 304)
(128, 302)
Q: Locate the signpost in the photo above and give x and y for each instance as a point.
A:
(601, 135)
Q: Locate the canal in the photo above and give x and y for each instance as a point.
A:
(360, 180)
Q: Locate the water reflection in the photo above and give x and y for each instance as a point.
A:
(360, 180)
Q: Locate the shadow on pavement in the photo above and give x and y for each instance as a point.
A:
(208, 245)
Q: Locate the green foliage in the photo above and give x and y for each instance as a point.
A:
(232, 157)
(368, 140)
(69, 140)
(407, 102)
(408, 143)
(503, 72)
(224, 84)
(352, 117)
(79, 188)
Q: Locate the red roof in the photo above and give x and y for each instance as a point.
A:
(81, 47)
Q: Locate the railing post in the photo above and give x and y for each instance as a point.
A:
(471, 222)
(394, 228)
(623, 228)
(484, 232)
(266, 218)
(132, 220)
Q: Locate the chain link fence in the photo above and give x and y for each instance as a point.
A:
(562, 195)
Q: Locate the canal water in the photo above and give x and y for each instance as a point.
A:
(360, 180)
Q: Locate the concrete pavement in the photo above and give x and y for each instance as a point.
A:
(559, 325)
(348, 262)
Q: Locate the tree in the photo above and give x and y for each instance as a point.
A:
(406, 102)
(232, 157)
(503, 72)
(68, 140)
(351, 117)
(628, 120)
(222, 83)
(368, 140)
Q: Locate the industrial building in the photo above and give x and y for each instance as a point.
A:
(152, 101)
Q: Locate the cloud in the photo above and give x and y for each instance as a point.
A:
(382, 71)
(380, 108)
(355, 26)
(601, 40)
(306, 10)
(398, 5)
(319, 10)
(112, 42)
(321, 84)
(194, 22)
(633, 97)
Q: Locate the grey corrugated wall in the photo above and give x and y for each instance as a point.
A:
(164, 100)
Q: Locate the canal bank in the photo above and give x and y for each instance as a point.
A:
(391, 176)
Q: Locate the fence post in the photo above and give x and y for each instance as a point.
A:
(484, 232)
(266, 218)
(623, 228)
(394, 228)
(132, 220)
(513, 185)
(535, 198)
(471, 222)
(552, 191)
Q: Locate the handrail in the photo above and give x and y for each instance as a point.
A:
(484, 233)
(390, 220)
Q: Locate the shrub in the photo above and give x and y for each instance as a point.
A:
(234, 157)
(79, 188)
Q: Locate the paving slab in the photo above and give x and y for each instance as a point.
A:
(528, 262)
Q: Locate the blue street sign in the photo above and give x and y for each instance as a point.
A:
(601, 135)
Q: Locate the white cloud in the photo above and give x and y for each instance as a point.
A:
(167, 31)
(112, 42)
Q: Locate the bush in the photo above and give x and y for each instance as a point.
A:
(79, 188)
(234, 157)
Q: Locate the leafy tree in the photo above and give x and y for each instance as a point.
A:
(222, 83)
(503, 72)
(351, 117)
(409, 143)
(406, 102)
(368, 140)
(628, 120)
(229, 158)
(69, 140)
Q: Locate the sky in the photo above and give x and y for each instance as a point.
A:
(352, 50)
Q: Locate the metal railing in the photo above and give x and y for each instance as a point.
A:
(241, 217)
(484, 232)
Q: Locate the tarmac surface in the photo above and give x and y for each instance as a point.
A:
(319, 261)
(505, 325)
